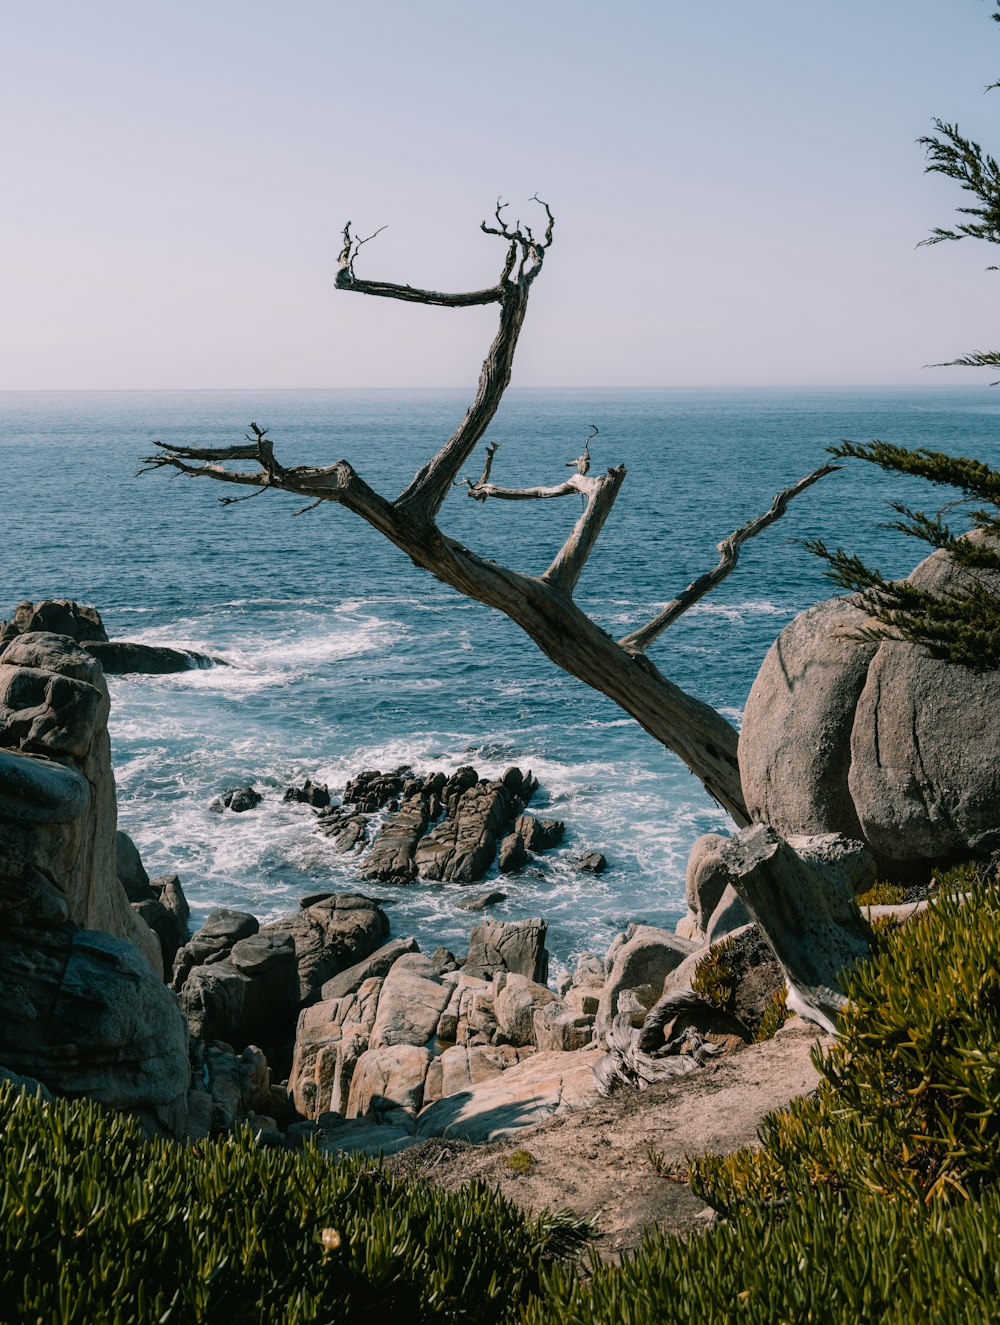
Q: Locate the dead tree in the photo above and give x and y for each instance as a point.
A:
(542, 605)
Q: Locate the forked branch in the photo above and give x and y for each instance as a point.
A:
(598, 493)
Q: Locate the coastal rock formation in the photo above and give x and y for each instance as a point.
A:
(637, 964)
(515, 945)
(438, 827)
(62, 616)
(57, 793)
(237, 799)
(85, 1014)
(244, 983)
(875, 740)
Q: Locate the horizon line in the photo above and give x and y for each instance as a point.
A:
(697, 386)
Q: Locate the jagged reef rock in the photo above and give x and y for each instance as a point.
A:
(875, 740)
(438, 827)
(58, 813)
(85, 1014)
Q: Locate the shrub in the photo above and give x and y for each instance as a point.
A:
(909, 1107)
(97, 1224)
(714, 979)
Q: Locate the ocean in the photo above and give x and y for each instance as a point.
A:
(343, 656)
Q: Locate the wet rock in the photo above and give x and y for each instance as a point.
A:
(391, 857)
(371, 790)
(463, 846)
(237, 799)
(592, 862)
(123, 657)
(539, 834)
(348, 830)
(513, 854)
(310, 793)
(481, 901)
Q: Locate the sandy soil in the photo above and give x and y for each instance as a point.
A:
(607, 1162)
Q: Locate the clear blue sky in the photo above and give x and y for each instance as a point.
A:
(737, 188)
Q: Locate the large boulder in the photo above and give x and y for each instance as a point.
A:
(85, 1014)
(330, 935)
(638, 962)
(251, 996)
(409, 1008)
(59, 616)
(58, 813)
(875, 740)
(512, 945)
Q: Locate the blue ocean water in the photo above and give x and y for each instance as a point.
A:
(344, 656)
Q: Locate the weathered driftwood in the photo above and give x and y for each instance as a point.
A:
(542, 605)
(806, 913)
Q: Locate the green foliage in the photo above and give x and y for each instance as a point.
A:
(882, 894)
(775, 1015)
(909, 1106)
(890, 1264)
(714, 979)
(521, 1161)
(97, 1224)
(876, 1201)
(962, 627)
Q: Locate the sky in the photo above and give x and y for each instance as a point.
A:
(737, 188)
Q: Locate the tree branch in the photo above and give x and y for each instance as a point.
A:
(422, 499)
(598, 494)
(729, 554)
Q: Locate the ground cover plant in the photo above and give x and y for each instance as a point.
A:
(98, 1224)
(878, 1199)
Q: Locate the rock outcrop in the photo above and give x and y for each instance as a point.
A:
(875, 740)
(84, 1013)
(62, 616)
(438, 828)
(58, 812)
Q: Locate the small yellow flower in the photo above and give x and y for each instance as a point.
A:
(330, 1239)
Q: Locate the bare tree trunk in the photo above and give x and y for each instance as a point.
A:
(542, 605)
(809, 917)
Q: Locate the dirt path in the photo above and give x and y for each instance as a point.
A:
(606, 1162)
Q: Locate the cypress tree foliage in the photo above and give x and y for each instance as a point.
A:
(962, 626)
